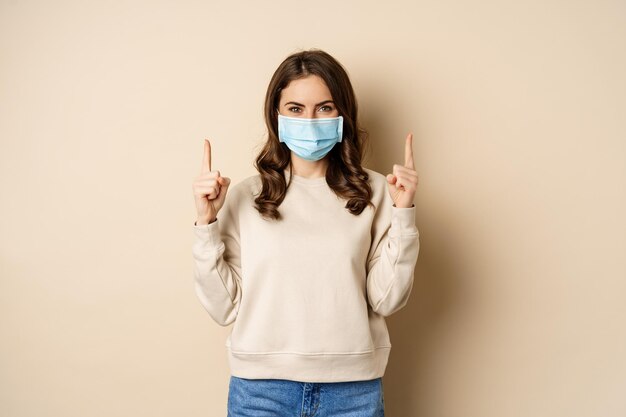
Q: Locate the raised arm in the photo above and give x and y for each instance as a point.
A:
(395, 240)
(391, 265)
(216, 250)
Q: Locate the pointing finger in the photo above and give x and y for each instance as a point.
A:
(408, 152)
(206, 158)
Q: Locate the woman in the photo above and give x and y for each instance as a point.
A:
(308, 256)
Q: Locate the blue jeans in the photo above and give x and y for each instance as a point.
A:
(286, 398)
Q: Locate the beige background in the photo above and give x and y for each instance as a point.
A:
(518, 113)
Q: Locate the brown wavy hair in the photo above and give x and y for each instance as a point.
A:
(345, 175)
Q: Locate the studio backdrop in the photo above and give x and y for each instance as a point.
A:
(517, 111)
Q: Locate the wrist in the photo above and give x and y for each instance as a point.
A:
(204, 221)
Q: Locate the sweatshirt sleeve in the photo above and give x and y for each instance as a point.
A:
(217, 265)
(392, 258)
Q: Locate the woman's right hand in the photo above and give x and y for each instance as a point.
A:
(209, 189)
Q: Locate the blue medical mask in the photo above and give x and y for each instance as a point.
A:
(310, 139)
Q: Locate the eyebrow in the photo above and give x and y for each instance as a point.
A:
(302, 105)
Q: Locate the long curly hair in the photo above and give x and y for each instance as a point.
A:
(344, 175)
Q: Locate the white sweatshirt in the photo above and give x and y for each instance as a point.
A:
(307, 294)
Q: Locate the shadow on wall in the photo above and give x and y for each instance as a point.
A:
(436, 290)
(414, 329)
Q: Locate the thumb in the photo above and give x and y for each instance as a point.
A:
(391, 179)
(224, 182)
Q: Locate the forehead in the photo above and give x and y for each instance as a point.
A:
(303, 90)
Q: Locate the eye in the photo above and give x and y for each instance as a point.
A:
(326, 107)
(294, 109)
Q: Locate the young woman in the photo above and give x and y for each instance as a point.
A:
(308, 256)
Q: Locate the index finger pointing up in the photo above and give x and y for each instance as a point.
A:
(408, 152)
(206, 158)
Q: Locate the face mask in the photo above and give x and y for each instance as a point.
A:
(310, 139)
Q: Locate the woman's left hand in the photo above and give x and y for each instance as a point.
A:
(403, 182)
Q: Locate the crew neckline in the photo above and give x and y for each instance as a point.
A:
(306, 181)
